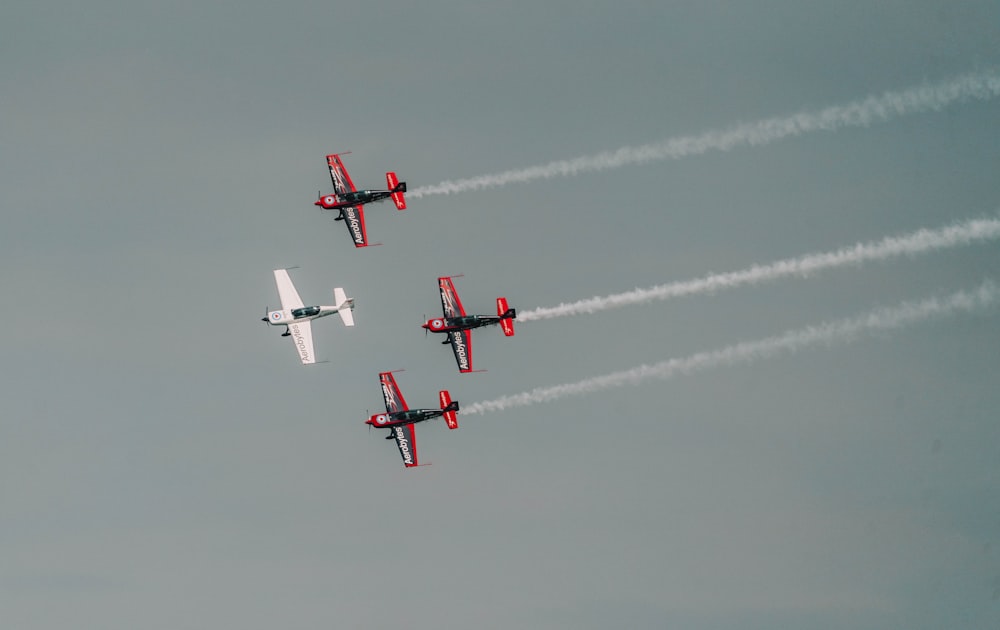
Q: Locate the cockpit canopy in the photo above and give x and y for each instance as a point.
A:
(354, 195)
(410, 414)
(305, 311)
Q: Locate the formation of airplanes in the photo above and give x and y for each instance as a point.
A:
(455, 323)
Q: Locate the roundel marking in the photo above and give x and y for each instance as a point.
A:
(380, 419)
(437, 323)
(276, 316)
(329, 200)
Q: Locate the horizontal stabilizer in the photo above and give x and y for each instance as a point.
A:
(397, 189)
(507, 316)
(345, 306)
(450, 408)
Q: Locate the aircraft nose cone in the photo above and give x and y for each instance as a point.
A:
(318, 202)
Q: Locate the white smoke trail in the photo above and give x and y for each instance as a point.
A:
(861, 113)
(918, 242)
(842, 330)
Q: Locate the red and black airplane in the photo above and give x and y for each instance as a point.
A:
(457, 324)
(350, 201)
(399, 418)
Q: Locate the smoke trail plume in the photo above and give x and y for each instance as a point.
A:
(873, 109)
(918, 242)
(883, 319)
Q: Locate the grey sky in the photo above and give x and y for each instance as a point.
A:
(165, 462)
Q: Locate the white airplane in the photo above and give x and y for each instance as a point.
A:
(297, 318)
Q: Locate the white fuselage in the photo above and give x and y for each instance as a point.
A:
(299, 315)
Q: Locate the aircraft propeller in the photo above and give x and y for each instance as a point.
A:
(267, 310)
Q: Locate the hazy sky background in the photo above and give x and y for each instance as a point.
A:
(166, 462)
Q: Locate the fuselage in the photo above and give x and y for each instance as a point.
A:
(410, 416)
(334, 201)
(465, 322)
(299, 315)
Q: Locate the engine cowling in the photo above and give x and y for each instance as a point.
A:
(436, 325)
(379, 420)
(327, 201)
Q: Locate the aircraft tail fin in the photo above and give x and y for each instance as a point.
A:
(345, 306)
(507, 316)
(397, 188)
(450, 408)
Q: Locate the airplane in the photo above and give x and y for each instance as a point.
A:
(297, 318)
(350, 201)
(457, 325)
(400, 419)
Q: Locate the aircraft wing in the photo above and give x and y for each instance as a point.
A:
(461, 344)
(338, 173)
(303, 339)
(450, 303)
(390, 391)
(286, 290)
(406, 441)
(354, 218)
